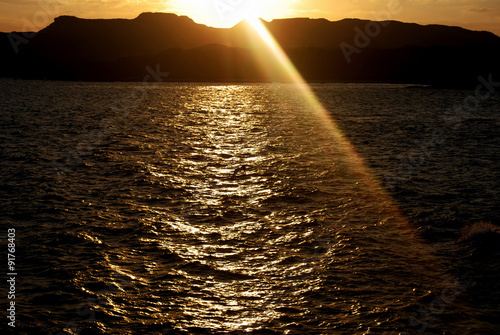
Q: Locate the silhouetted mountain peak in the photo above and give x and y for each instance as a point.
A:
(151, 15)
(152, 32)
(164, 18)
(300, 20)
(321, 33)
(110, 49)
(108, 39)
(66, 19)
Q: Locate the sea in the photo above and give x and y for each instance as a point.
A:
(245, 209)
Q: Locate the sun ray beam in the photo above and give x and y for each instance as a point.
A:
(291, 74)
(411, 244)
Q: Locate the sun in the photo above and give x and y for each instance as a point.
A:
(227, 13)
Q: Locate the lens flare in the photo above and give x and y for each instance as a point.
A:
(354, 167)
(291, 74)
(227, 13)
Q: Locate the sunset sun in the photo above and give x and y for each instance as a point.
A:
(227, 13)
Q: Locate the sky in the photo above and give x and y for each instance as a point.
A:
(33, 15)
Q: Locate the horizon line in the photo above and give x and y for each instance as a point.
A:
(260, 18)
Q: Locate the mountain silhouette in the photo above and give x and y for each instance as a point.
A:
(321, 33)
(348, 50)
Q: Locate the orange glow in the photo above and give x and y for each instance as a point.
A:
(36, 15)
(226, 14)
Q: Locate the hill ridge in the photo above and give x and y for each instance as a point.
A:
(119, 49)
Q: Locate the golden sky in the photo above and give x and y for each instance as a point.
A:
(33, 15)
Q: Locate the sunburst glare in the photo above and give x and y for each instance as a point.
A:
(225, 14)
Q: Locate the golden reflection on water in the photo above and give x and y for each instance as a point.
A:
(294, 231)
(277, 217)
(155, 232)
(224, 133)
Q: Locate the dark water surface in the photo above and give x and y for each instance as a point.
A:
(204, 209)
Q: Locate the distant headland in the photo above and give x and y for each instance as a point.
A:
(350, 50)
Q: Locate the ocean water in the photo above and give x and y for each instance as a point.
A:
(238, 209)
